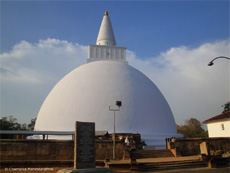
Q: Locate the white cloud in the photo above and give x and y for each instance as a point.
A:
(192, 88)
(41, 62)
(30, 71)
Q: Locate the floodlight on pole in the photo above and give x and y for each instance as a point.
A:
(211, 62)
(118, 103)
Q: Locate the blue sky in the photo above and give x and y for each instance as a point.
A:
(145, 27)
(169, 41)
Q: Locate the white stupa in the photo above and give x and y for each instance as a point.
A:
(86, 93)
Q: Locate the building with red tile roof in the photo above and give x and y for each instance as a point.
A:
(219, 125)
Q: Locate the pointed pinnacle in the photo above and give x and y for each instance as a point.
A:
(106, 13)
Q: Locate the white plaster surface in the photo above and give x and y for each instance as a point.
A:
(86, 93)
(109, 53)
(106, 35)
(215, 129)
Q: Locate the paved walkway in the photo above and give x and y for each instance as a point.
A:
(167, 159)
(171, 159)
(200, 170)
(149, 160)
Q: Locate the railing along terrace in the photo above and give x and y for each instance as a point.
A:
(45, 134)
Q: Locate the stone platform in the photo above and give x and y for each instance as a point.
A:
(94, 170)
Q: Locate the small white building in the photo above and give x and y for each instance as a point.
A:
(219, 125)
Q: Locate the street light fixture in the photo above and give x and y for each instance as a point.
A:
(211, 62)
(118, 103)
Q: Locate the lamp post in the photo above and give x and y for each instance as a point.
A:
(211, 62)
(118, 103)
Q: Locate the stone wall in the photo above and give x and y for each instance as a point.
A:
(36, 150)
(189, 147)
(53, 149)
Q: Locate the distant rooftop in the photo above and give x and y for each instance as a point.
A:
(224, 116)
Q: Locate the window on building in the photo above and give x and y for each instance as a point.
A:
(222, 126)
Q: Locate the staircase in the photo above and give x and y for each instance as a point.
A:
(140, 154)
(153, 160)
(172, 165)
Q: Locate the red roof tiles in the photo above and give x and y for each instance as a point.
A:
(225, 115)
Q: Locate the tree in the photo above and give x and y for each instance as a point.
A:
(11, 123)
(8, 123)
(32, 124)
(226, 107)
(192, 129)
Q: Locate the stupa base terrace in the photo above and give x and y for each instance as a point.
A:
(53, 155)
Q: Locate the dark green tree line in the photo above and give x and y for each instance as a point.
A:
(11, 123)
(192, 129)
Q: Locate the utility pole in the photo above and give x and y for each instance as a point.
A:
(118, 103)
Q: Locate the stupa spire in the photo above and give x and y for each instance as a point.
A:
(105, 48)
(105, 35)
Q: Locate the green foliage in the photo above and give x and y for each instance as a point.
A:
(11, 123)
(32, 124)
(192, 129)
(226, 107)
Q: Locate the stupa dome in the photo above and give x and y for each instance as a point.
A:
(86, 93)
